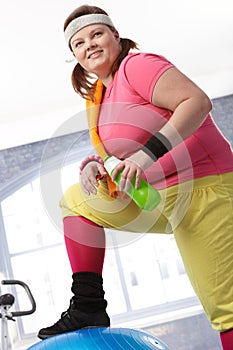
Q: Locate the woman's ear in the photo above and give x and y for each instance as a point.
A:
(116, 35)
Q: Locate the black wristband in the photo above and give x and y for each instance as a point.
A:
(157, 146)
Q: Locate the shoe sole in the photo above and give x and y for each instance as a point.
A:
(54, 335)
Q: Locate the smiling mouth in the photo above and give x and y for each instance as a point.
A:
(95, 54)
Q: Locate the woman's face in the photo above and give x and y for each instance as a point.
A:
(96, 47)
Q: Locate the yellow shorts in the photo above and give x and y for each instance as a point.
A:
(199, 213)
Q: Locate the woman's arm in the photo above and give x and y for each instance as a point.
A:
(189, 104)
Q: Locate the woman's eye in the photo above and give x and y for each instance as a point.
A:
(97, 34)
(79, 43)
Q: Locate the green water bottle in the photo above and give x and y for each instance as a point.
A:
(145, 196)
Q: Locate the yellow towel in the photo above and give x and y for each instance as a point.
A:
(92, 109)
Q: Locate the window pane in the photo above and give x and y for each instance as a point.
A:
(26, 222)
(112, 285)
(48, 274)
(152, 271)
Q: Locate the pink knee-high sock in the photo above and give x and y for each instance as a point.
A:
(85, 244)
(227, 340)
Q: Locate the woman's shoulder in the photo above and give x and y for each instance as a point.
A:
(139, 72)
(144, 57)
(136, 65)
(148, 63)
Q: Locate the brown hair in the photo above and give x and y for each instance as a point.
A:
(81, 79)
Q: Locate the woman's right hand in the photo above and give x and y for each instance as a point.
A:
(89, 176)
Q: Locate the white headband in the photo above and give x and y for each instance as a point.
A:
(83, 21)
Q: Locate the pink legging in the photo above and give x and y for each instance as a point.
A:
(227, 340)
(85, 244)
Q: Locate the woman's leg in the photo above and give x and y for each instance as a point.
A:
(108, 212)
(84, 219)
(205, 241)
(85, 244)
(227, 340)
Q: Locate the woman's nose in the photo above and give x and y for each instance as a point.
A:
(90, 44)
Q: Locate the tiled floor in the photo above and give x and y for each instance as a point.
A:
(192, 333)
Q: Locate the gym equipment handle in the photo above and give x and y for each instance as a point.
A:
(30, 297)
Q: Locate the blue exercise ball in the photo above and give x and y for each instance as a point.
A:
(102, 339)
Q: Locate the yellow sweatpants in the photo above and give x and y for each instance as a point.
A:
(199, 213)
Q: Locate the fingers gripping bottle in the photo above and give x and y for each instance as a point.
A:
(146, 196)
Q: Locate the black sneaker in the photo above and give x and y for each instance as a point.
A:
(73, 320)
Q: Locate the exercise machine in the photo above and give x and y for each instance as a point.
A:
(6, 302)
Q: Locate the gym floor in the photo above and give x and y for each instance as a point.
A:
(191, 333)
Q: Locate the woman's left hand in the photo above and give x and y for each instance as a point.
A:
(135, 165)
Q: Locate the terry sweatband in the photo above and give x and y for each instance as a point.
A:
(157, 146)
(84, 21)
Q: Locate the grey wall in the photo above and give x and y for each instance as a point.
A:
(223, 115)
(20, 165)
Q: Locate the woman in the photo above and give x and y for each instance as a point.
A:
(157, 122)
